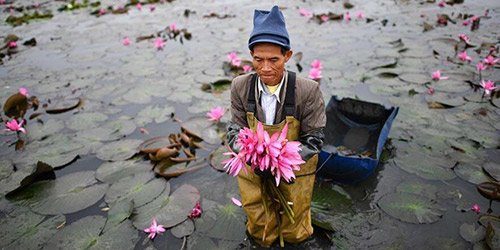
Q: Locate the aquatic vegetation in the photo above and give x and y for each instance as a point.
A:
(216, 114)
(26, 18)
(15, 127)
(437, 76)
(488, 86)
(154, 229)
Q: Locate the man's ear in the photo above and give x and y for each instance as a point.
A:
(288, 55)
(251, 53)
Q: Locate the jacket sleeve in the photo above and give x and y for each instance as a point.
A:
(238, 115)
(312, 123)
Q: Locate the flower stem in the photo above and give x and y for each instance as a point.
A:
(266, 210)
(282, 201)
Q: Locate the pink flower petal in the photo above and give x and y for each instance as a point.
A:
(236, 202)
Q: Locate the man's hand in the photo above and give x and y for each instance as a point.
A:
(266, 174)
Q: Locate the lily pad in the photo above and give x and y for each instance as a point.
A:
(86, 234)
(85, 121)
(229, 223)
(168, 210)
(110, 172)
(328, 200)
(110, 131)
(448, 100)
(6, 168)
(168, 168)
(57, 152)
(217, 157)
(119, 212)
(411, 208)
(141, 188)
(418, 188)
(154, 144)
(28, 231)
(42, 172)
(154, 113)
(471, 233)
(118, 151)
(63, 105)
(68, 194)
(471, 173)
(138, 95)
(429, 167)
(202, 128)
(40, 130)
(491, 168)
(184, 229)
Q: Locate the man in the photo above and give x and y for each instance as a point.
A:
(274, 97)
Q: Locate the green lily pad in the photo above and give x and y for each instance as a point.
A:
(201, 127)
(110, 172)
(40, 130)
(6, 168)
(57, 152)
(155, 113)
(205, 243)
(118, 151)
(186, 228)
(86, 234)
(167, 210)
(417, 78)
(471, 233)
(229, 223)
(217, 157)
(425, 165)
(491, 168)
(68, 194)
(9, 184)
(141, 188)
(110, 131)
(28, 231)
(448, 100)
(85, 121)
(138, 95)
(119, 212)
(446, 244)
(419, 188)
(411, 208)
(471, 173)
(41, 172)
(328, 200)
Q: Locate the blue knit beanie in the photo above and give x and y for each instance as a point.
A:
(270, 27)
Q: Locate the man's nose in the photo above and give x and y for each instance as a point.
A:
(266, 66)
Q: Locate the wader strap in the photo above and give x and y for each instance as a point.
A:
(289, 98)
(251, 104)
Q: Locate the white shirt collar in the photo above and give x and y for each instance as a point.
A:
(260, 86)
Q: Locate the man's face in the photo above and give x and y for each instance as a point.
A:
(269, 62)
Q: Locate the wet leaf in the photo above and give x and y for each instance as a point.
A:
(471, 233)
(411, 208)
(201, 127)
(118, 151)
(63, 106)
(83, 121)
(140, 188)
(418, 188)
(471, 172)
(184, 229)
(491, 168)
(217, 157)
(16, 106)
(154, 113)
(428, 26)
(327, 201)
(110, 172)
(57, 152)
(171, 168)
(42, 172)
(490, 190)
(167, 210)
(68, 194)
(40, 130)
(152, 145)
(6, 168)
(229, 223)
(119, 212)
(427, 166)
(27, 231)
(86, 234)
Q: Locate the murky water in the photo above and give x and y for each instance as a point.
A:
(81, 56)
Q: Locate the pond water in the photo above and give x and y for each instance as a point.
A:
(443, 144)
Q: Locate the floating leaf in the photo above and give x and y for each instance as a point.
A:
(6, 168)
(201, 127)
(229, 223)
(327, 201)
(56, 151)
(419, 188)
(110, 172)
(471, 233)
(411, 208)
(491, 168)
(85, 121)
(167, 210)
(154, 144)
(184, 229)
(86, 234)
(62, 106)
(42, 172)
(68, 194)
(119, 212)
(141, 188)
(490, 190)
(118, 151)
(217, 157)
(154, 113)
(27, 231)
(40, 130)
(170, 168)
(427, 166)
(471, 173)
(16, 105)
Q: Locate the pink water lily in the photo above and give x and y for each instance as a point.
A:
(36, 5)
(430, 91)
(465, 23)
(324, 18)
(474, 18)
(234, 164)
(315, 73)
(144, 131)
(437, 76)
(476, 208)
(247, 68)
(159, 44)
(152, 8)
(23, 92)
(119, 6)
(235, 61)
(154, 229)
(480, 67)
(236, 202)
(442, 4)
(488, 86)
(360, 15)
(14, 126)
(139, 6)
(490, 60)
(487, 12)
(306, 13)
(172, 27)
(196, 211)
(464, 57)
(126, 41)
(316, 64)
(464, 38)
(12, 45)
(216, 113)
(101, 12)
(347, 16)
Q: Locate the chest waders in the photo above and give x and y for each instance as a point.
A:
(299, 192)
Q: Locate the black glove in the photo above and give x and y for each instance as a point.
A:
(266, 174)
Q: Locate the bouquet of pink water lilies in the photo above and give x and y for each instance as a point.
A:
(274, 153)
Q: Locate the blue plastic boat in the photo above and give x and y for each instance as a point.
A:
(355, 134)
